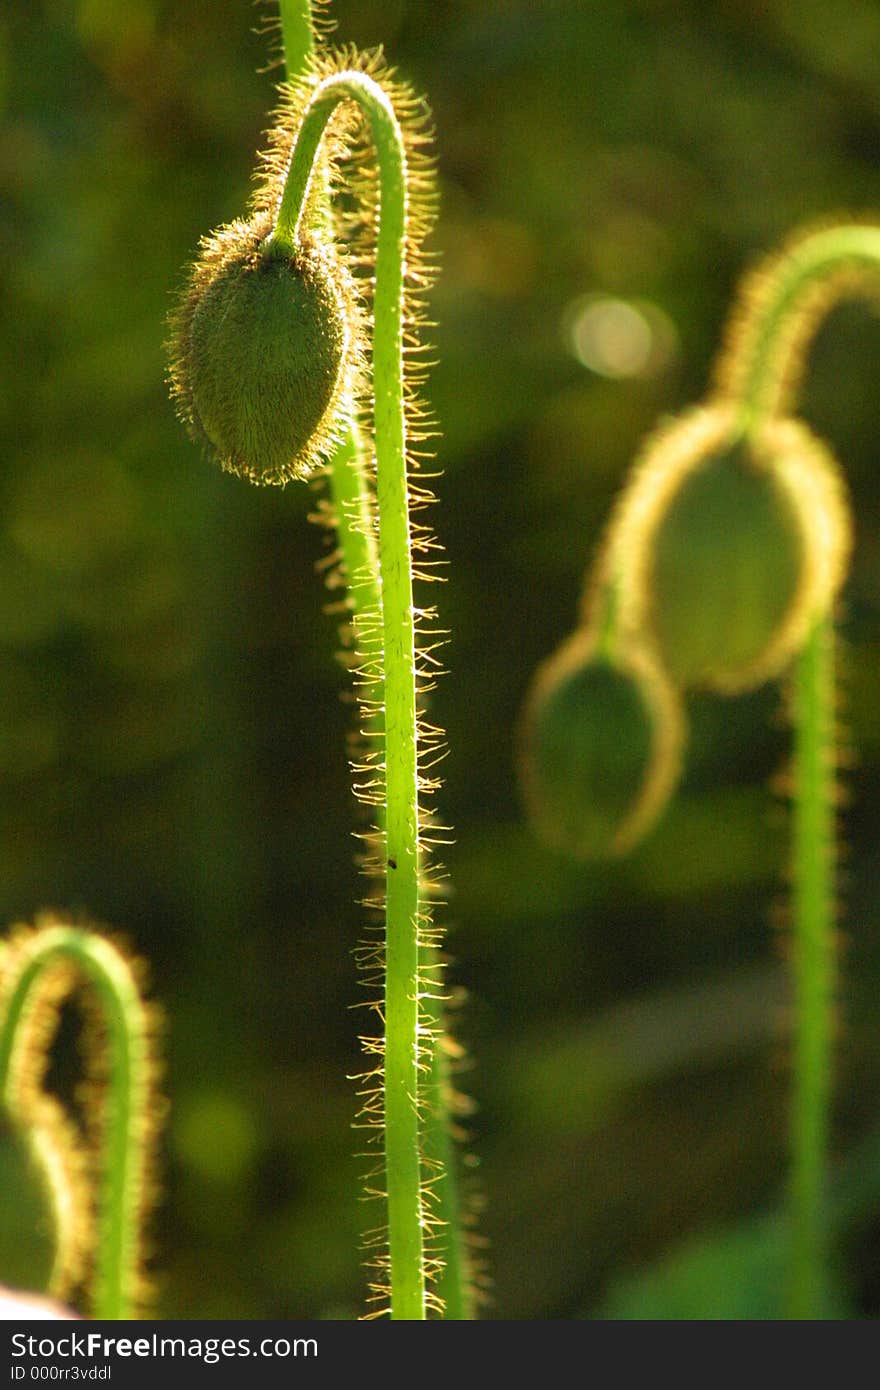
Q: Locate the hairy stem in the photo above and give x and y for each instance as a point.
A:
(814, 968)
(353, 506)
(770, 338)
(766, 358)
(125, 1104)
(352, 513)
(297, 33)
(401, 1010)
(454, 1283)
(348, 482)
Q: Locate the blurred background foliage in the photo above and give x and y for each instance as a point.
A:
(171, 728)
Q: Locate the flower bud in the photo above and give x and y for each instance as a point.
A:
(726, 547)
(600, 748)
(261, 350)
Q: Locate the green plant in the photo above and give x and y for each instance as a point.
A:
(724, 560)
(96, 1239)
(620, 647)
(269, 367)
(270, 370)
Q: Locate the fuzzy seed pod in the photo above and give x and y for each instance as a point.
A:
(261, 353)
(726, 547)
(600, 748)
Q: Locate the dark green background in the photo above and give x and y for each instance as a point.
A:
(171, 729)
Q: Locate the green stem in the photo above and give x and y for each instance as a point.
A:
(814, 968)
(351, 495)
(767, 354)
(298, 34)
(353, 507)
(349, 487)
(607, 626)
(125, 1104)
(453, 1282)
(769, 340)
(401, 1012)
(352, 514)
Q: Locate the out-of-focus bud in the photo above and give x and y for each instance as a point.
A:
(600, 748)
(727, 547)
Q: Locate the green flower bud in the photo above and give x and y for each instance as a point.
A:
(727, 547)
(262, 353)
(600, 748)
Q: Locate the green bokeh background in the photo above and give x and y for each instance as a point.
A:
(171, 728)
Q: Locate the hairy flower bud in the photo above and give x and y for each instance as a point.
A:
(600, 748)
(725, 548)
(262, 351)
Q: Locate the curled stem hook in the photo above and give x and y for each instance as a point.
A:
(404, 1043)
(126, 1106)
(783, 307)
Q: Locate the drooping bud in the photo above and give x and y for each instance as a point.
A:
(600, 748)
(262, 351)
(726, 547)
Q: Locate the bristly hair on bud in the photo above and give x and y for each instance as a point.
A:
(726, 547)
(262, 352)
(267, 353)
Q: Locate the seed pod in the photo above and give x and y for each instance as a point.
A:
(262, 353)
(600, 748)
(727, 547)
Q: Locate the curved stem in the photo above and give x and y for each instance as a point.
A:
(126, 1102)
(767, 352)
(401, 1012)
(355, 530)
(353, 512)
(789, 301)
(349, 486)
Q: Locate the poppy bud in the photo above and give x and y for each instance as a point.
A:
(261, 351)
(600, 748)
(726, 547)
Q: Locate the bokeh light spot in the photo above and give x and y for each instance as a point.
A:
(216, 1137)
(617, 337)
